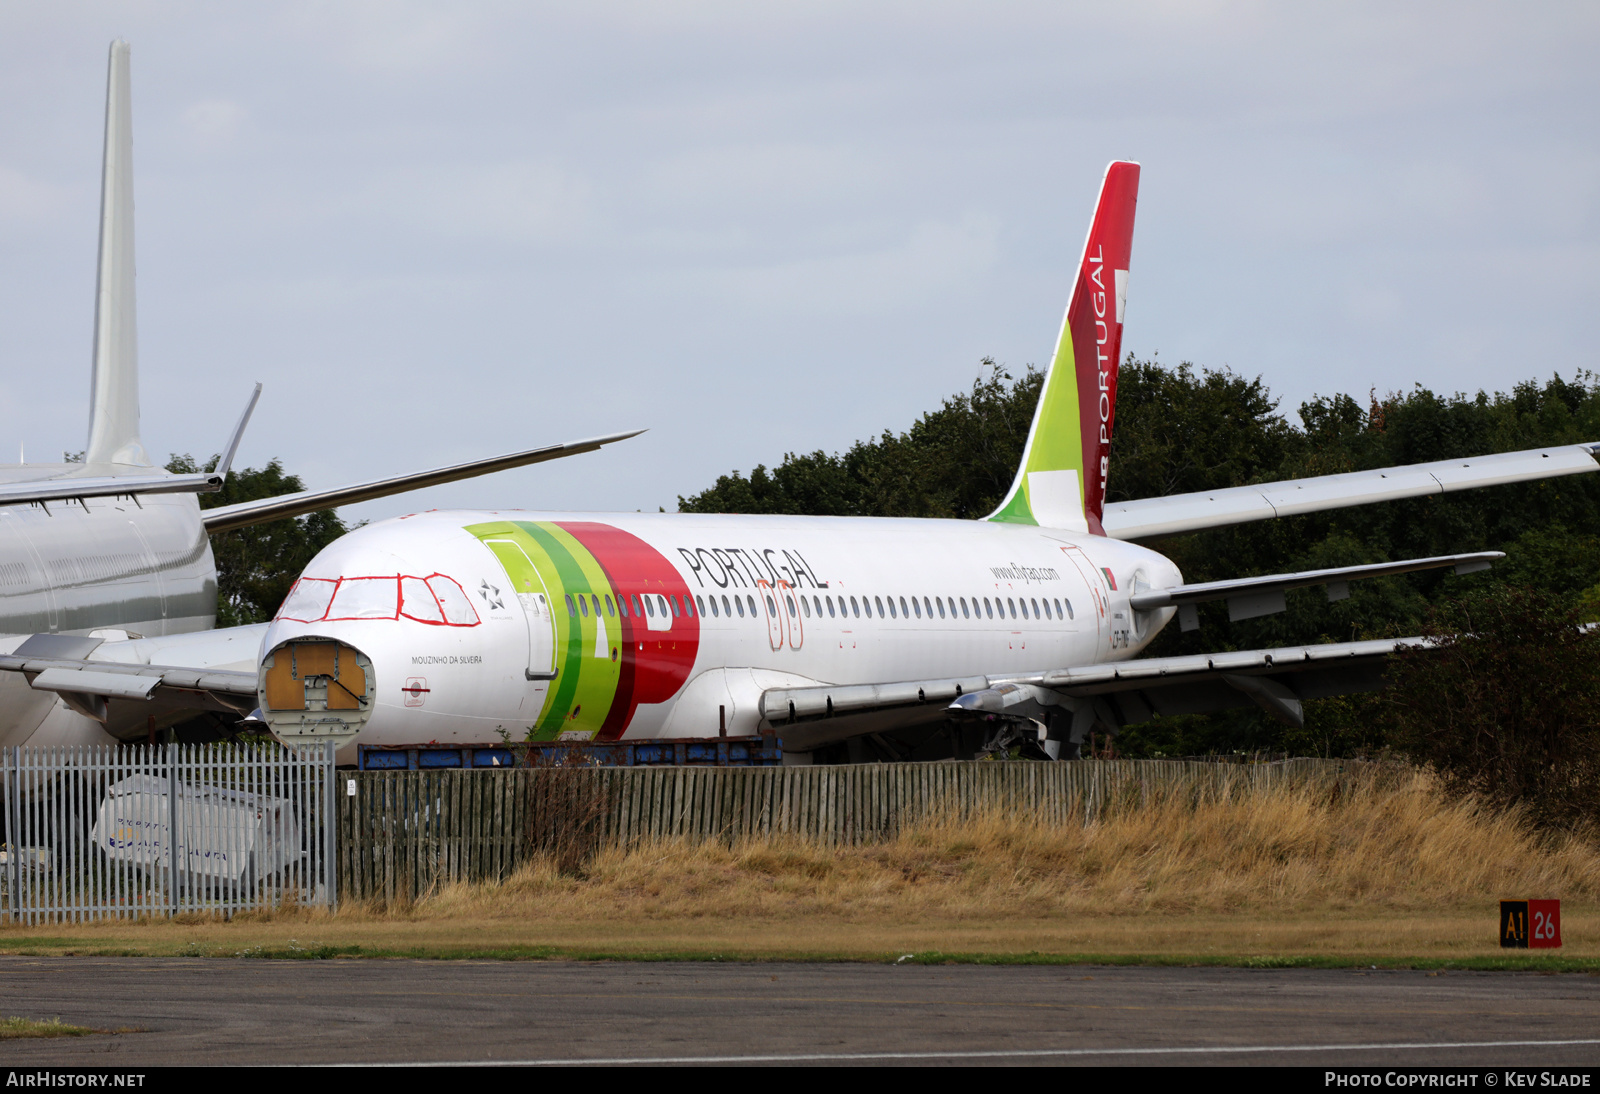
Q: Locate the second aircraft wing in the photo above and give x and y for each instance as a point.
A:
(1175, 514)
(227, 517)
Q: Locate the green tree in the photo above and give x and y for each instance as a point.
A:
(956, 461)
(257, 565)
(1506, 704)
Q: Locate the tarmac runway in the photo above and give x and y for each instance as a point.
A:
(212, 1011)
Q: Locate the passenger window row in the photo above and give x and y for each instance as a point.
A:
(579, 605)
(644, 605)
(904, 608)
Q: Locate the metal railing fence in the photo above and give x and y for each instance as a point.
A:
(406, 833)
(96, 831)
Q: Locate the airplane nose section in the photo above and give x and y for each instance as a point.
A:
(314, 689)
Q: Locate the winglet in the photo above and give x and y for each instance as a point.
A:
(114, 387)
(1062, 480)
(238, 435)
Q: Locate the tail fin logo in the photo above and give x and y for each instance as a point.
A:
(1066, 464)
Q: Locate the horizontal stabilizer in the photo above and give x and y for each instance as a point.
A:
(1175, 514)
(67, 488)
(227, 517)
(1249, 597)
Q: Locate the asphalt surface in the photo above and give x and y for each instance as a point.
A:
(212, 1011)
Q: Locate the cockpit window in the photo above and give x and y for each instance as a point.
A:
(417, 602)
(436, 599)
(308, 601)
(366, 598)
(458, 610)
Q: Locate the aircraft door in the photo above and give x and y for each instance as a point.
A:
(770, 607)
(792, 612)
(536, 609)
(1095, 603)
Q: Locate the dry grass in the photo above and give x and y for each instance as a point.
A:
(1385, 872)
(1285, 851)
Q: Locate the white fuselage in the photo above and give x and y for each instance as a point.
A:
(732, 606)
(106, 565)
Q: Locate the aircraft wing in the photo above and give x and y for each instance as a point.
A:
(1149, 518)
(1079, 698)
(227, 517)
(1250, 597)
(124, 695)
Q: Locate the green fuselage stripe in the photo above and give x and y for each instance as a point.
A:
(571, 577)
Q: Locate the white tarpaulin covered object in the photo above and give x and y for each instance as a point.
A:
(223, 834)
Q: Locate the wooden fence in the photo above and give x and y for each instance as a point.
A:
(403, 832)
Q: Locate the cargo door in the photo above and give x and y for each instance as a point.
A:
(536, 609)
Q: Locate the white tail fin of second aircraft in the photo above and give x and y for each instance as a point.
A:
(114, 386)
(1062, 480)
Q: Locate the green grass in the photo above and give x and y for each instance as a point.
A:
(13, 1028)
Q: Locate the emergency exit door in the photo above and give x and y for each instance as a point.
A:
(536, 608)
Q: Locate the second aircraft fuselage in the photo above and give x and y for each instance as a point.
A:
(576, 626)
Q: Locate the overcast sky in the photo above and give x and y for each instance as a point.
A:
(442, 231)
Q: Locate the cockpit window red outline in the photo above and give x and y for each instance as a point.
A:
(399, 611)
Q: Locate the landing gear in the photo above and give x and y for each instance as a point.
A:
(1017, 740)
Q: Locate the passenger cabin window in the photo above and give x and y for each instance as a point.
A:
(752, 602)
(830, 607)
(892, 613)
(572, 609)
(649, 607)
(879, 603)
(940, 602)
(700, 601)
(740, 605)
